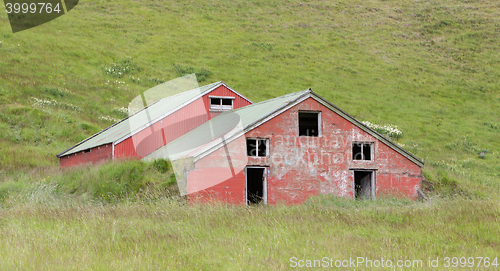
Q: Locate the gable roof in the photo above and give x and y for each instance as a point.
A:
(155, 111)
(239, 121)
(231, 123)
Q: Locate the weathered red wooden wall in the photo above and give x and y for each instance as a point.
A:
(300, 167)
(220, 176)
(225, 92)
(96, 154)
(175, 125)
(161, 132)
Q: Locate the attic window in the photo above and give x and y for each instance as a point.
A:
(85, 151)
(362, 151)
(257, 147)
(221, 103)
(309, 124)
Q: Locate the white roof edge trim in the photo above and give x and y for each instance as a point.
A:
(218, 146)
(335, 109)
(168, 113)
(228, 87)
(217, 84)
(222, 97)
(255, 124)
(87, 139)
(368, 130)
(102, 131)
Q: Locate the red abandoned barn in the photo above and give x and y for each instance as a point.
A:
(155, 125)
(288, 149)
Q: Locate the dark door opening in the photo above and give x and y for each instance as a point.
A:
(364, 184)
(255, 185)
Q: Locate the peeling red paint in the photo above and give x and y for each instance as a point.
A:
(301, 166)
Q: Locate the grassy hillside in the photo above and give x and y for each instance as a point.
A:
(429, 67)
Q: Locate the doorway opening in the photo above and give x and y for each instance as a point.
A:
(256, 185)
(364, 185)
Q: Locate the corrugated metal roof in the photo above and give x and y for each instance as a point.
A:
(229, 124)
(207, 137)
(144, 117)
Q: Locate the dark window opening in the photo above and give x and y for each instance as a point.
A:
(262, 148)
(357, 154)
(255, 185)
(221, 103)
(215, 101)
(85, 151)
(367, 152)
(256, 147)
(308, 124)
(251, 147)
(362, 151)
(363, 184)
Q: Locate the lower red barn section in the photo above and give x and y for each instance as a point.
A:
(94, 155)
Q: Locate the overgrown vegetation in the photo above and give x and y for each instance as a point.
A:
(110, 182)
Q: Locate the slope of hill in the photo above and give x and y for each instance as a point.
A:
(429, 67)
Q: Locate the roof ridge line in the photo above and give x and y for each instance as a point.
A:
(270, 100)
(185, 92)
(251, 125)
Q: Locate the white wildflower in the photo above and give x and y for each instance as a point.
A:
(389, 130)
(108, 118)
(124, 110)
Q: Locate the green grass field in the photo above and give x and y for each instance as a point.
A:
(429, 67)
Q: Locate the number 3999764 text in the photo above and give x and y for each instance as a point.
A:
(33, 8)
